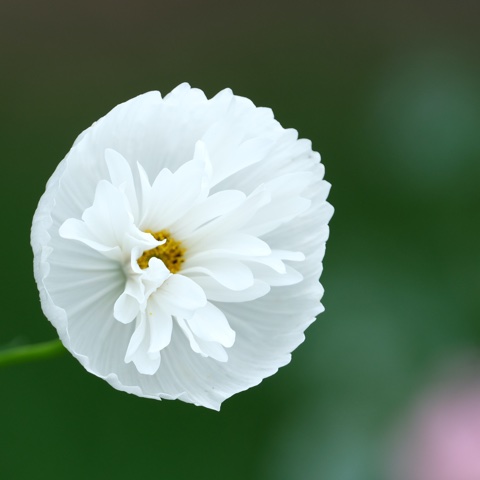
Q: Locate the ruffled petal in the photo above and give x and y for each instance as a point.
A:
(232, 274)
(127, 306)
(210, 324)
(215, 291)
(146, 362)
(160, 326)
(121, 177)
(181, 296)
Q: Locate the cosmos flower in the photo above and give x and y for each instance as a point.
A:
(179, 244)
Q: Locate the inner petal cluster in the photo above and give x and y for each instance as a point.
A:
(147, 228)
(171, 252)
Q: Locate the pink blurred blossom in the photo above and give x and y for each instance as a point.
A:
(441, 439)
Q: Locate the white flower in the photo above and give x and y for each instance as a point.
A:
(179, 244)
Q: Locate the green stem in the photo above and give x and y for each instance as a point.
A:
(29, 353)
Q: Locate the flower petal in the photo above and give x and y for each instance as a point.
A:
(210, 324)
(216, 292)
(214, 206)
(121, 177)
(127, 306)
(160, 326)
(231, 274)
(146, 362)
(180, 295)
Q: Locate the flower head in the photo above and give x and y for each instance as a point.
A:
(178, 245)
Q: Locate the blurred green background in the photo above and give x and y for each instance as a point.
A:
(389, 93)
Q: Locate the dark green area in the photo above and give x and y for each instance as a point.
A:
(389, 94)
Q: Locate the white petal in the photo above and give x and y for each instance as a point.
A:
(137, 338)
(213, 350)
(206, 349)
(289, 277)
(180, 295)
(154, 276)
(190, 336)
(169, 198)
(276, 214)
(217, 292)
(233, 245)
(128, 304)
(235, 221)
(248, 152)
(121, 176)
(231, 274)
(202, 158)
(210, 324)
(160, 326)
(109, 215)
(146, 362)
(104, 222)
(74, 229)
(215, 205)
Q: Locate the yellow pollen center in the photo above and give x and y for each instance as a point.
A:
(171, 253)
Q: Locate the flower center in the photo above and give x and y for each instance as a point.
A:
(171, 253)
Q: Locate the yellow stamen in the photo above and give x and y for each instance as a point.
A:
(171, 253)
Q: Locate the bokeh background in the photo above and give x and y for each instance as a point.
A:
(389, 93)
